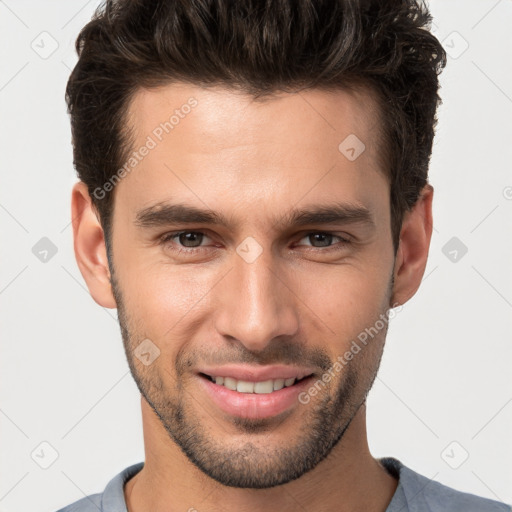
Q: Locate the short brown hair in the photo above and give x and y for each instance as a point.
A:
(259, 47)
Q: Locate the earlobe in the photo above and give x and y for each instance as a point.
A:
(89, 247)
(412, 253)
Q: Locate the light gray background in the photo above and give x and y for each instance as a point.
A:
(444, 390)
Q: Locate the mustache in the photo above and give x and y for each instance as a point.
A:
(286, 353)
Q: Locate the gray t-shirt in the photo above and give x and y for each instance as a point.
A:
(415, 493)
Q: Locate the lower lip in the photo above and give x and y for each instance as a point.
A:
(254, 405)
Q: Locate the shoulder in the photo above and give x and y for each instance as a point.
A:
(111, 499)
(441, 498)
(90, 503)
(422, 494)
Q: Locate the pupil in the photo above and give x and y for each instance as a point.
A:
(184, 238)
(327, 238)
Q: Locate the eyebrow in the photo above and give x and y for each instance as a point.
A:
(163, 214)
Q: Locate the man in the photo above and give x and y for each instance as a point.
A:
(253, 199)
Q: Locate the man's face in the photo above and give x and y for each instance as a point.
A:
(262, 290)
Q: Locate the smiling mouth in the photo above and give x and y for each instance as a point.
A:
(261, 387)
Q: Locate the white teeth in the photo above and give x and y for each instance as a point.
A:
(263, 387)
(278, 384)
(230, 383)
(245, 387)
(267, 386)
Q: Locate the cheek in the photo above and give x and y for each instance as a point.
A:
(161, 295)
(347, 299)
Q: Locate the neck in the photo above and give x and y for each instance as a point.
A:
(348, 479)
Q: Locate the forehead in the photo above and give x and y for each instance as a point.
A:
(211, 143)
(223, 116)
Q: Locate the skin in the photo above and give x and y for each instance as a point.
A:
(298, 302)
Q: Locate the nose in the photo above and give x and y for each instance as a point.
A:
(256, 303)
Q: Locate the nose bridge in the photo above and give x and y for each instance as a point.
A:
(256, 305)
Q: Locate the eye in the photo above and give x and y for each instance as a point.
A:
(325, 240)
(189, 241)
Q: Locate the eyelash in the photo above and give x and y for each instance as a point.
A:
(168, 237)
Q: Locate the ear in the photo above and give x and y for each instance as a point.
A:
(89, 246)
(412, 253)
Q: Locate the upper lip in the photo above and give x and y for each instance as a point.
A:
(251, 373)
